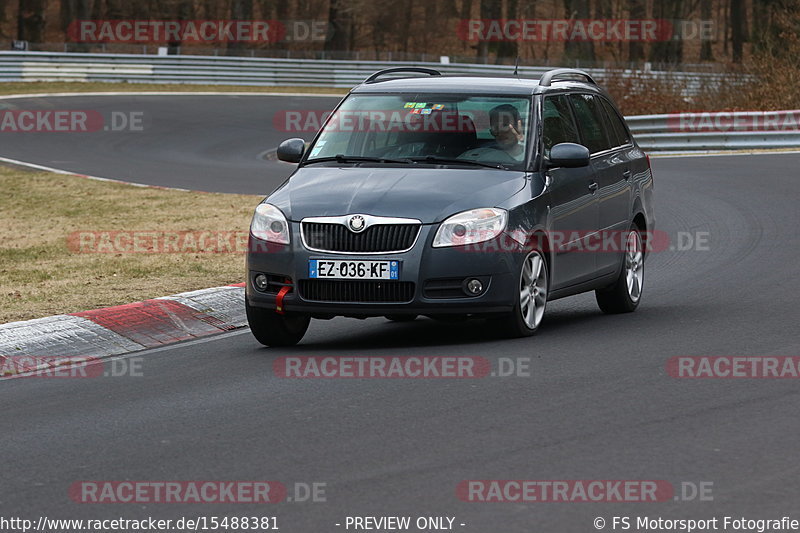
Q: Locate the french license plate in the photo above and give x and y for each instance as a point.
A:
(353, 269)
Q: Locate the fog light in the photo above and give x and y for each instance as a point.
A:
(474, 287)
(261, 282)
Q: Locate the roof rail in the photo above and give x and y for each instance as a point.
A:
(549, 76)
(421, 70)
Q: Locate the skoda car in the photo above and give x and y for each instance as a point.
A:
(453, 196)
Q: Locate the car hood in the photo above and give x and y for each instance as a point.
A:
(428, 194)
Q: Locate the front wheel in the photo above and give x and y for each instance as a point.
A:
(272, 329)
(529, 308)
(626, 293)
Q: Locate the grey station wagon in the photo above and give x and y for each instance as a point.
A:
(453, 196)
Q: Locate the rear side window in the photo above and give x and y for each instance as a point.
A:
(557, 124)
(590, 117)
(617, 126)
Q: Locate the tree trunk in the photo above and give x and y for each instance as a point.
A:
(31, 20)
(489, 9)
(706, 52)
(240, 10)
(738, 32)
(509, 49)
(670, 51)
(341, 22)
(578, 50)
(636, 11)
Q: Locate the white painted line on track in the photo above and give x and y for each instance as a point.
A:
(78, 174)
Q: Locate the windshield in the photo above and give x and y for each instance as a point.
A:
(443, 129)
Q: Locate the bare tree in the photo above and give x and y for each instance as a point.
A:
(577, 50)
(240, 10)
(31, 20)
(706, 52)
(636, 11)
(738, 31)
(669, 50)
(340, 18)
(509, 48)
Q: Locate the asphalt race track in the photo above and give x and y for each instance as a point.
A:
(598, 403)
(206, 143)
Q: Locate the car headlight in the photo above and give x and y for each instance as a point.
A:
(469, 227)
(269, 224)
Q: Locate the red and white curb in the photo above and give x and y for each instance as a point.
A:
(127, 328)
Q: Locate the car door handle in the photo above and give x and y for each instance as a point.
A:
(593, 186)
(626, 175)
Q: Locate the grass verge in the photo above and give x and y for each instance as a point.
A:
(41, 275)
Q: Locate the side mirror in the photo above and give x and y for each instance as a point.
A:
(291, 150)
(569, 155)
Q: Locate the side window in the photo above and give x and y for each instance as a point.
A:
(590, 117)
(557, 123)
(618, 126)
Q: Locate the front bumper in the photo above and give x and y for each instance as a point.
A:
(495, 263)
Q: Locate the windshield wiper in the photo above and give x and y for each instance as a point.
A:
(340, 158)
(455, 161)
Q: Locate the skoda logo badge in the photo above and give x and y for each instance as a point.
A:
(356, 223)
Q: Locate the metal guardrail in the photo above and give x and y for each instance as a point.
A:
(653, 132)
(717, 130)
(58, 66)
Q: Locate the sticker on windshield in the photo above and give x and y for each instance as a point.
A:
(420, 105)
(425, 111)
(409, 105)
(438, 107)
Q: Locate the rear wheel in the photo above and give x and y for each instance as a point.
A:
(626, 293)
(272, 329)
(529, 308)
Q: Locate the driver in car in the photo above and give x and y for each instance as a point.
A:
(505, 125)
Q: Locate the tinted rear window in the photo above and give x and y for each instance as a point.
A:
(617, 126)
(590, 117)
(557, 124)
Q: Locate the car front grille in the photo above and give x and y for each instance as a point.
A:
(379, 238)
(371, 291)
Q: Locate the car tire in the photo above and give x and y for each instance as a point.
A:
(401, 318)
(532, 288)
(624, 295)
(273, 329)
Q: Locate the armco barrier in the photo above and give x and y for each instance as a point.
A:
(653, 132)
(59, 66)
(664, 132)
